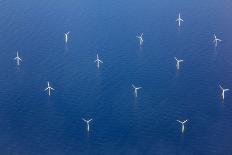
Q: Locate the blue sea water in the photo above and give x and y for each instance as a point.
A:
(31, 123)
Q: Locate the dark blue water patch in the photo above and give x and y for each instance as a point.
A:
(32, 123)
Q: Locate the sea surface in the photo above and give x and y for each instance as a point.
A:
(32, 123)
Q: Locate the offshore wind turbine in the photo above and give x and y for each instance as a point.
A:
(140, 37)
(182, 124)
(136, 90)
(66, 36)
(216, 40)
(17, 58)
(178, 63)
(179, 20)
(87, 123)
(98, 61)
(49, 88)
(223, 91)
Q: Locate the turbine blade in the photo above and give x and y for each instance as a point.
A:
(221, 87)
(84, 119)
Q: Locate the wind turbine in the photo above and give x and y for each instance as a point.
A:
(223, 91)
(140, 39)
(66, 36)
(87, 123)
(98, 61)
(178, 63)
(49, 88)
(17, 58)
(182, 124)
(216, 40)
(179, 20)
(136, 90)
